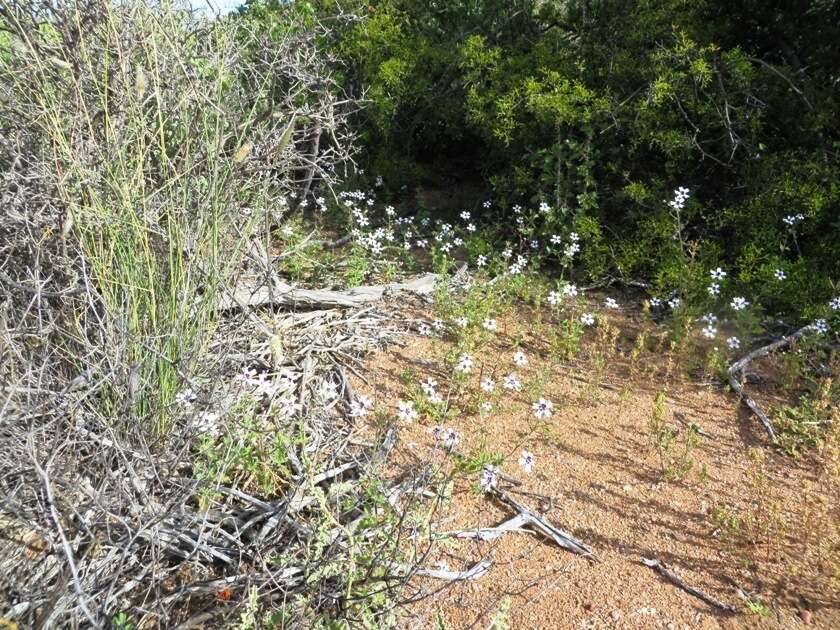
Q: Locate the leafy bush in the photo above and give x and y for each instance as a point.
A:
(602, 109)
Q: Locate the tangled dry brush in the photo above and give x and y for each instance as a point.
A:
(145, 156)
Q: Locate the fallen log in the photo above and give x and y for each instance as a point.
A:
(286, 295)
(739, 366)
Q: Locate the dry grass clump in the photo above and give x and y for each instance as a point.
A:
(142, 152)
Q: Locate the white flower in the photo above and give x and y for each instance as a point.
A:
(733, 342)
(437, 325)
(655, 302)
(713, 289)
(512, 382)
(424, 329)
(610, 303)
(489, 479)
(429, 385)
(544, 208)
(487, 406)
(486, 204)
(535, 244)
(288, 405)
(361, 406)
(185, 398)
(554, 298)
(451, 438)
(464, 365)
(674, 302)
(574, 237)
(710, 332)
(556, 239)
(458, 241)
(406, 411)
(542, 408)
(328, 391)
(436, 431)
(520, 359)
(434, 398)
(717, 274)
(834, 304)
(465, 215)
(738, 303)
(820, 326)
(489, 324)
(487, 384)
(462, 322)
(507, 253)
(526, 461)
(587, 319)
(481, 261)
(779, 274)
(793, 219)
(208, 422)
(570, 290)
(709, 318)
(470, 227)
(571, 250)
(389, 210)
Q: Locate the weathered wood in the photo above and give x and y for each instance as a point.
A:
(739, 366)
(561, 538)
(286, 295)
(678, 581)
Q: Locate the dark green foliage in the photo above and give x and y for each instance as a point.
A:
(603, 108)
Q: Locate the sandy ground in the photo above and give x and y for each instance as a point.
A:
(594, 459)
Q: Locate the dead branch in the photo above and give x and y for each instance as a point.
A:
(677, 580)
(287, 295)
(560, 537)
(739, 366)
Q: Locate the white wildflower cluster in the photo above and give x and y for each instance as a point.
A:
(733, 343)
(717, 275)
(429, 387)
(587, 319)
(681, 195)
(611, 303)
(488, 384)
(573, 247)
(570, 290)
(792, 219)
(511, 382)
(779, 274)
(544, 208)
(518, 266)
